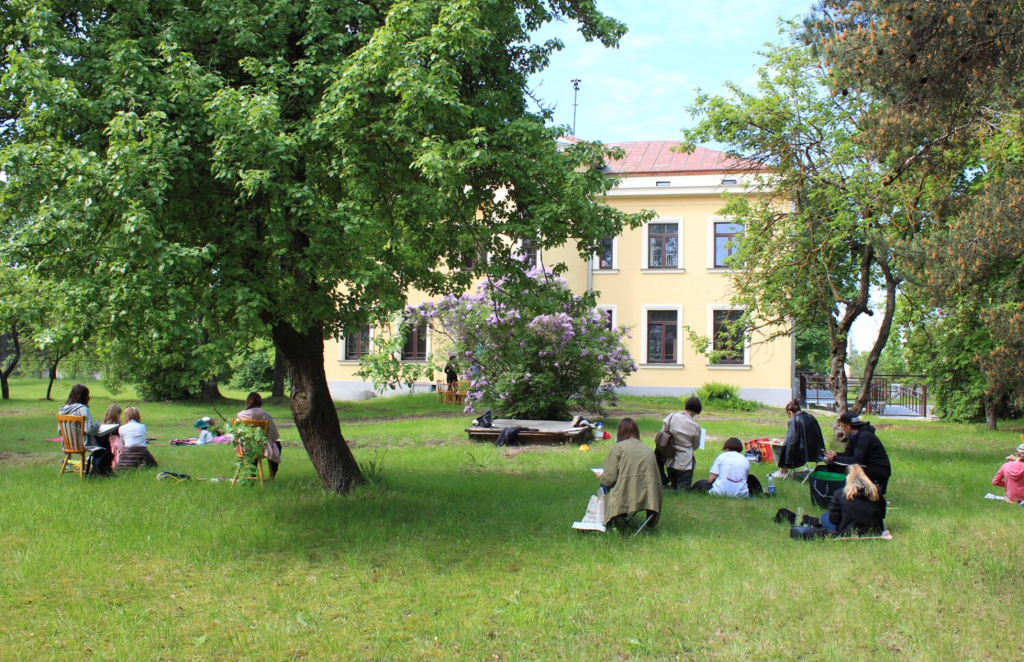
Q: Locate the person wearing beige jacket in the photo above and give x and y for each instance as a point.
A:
(677, 471)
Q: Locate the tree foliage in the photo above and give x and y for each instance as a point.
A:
(295, 164)
(950, 76)
(820, 236)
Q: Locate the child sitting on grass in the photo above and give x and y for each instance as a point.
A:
(1011, 476)
(133, 433)
(205, 436)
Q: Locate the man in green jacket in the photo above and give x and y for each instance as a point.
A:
(631, 476)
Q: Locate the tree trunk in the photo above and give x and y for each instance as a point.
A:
(277, 390)
(313, 408)
(53, 375)
(210, 389)
(992, 414)
(5, 373)
(883, 337)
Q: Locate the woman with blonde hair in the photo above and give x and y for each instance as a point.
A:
(133, 436)
(858, 506)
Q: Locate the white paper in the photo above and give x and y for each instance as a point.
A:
(703, 435)
(598, 471)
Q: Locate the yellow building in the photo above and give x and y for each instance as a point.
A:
(657, 280)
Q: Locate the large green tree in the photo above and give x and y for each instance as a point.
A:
(308, 160)
(818, 238)
(950, 73)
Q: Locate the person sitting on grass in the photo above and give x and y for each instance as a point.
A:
(133, 435)
(254, 412)
(863, 448)
(1011, 476)
(111, 418)
(630, 478)
(857, 507)
(730, 472)
(205, 436)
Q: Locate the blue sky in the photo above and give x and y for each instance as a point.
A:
(642, 90)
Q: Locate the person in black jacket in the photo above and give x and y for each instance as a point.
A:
(863, 448)
(858, 506)
(804, 442)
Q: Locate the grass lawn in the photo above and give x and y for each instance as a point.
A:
(465, 551)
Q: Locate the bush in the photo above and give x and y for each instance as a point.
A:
(725, 396)
(528, 345)
(253, 369)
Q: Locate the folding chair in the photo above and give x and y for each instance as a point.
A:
(72, 436)
(637, 522)
(241, 454)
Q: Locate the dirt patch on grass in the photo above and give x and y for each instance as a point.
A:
(12, 412)
(14, 459)
(383, 418)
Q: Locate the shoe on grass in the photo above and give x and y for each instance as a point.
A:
(776, 474)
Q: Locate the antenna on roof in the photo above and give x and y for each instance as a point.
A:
(575, 92)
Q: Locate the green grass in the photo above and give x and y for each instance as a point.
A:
(465, 551)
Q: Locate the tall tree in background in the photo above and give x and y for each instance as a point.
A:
(951, 72)
(319, 158)
(819, 238)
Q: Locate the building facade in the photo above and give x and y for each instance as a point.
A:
(659, 280)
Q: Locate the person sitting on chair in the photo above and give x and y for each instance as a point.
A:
(133, 435)
(804, 442)
(858, 506)
(78, 405)
(863, 448)
(630, 476)
(1011, 476)
(254, 412)
(677, 470)
(730, 472)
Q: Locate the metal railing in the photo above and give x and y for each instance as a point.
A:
(893, 395)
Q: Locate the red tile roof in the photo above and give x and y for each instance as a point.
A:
(658, 157)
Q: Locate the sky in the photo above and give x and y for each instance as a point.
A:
(643, 89)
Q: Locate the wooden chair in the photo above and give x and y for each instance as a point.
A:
(457, 394)
(72, 435)
(442, 391)
(239, 452)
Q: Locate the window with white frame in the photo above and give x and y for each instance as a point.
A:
(662, 245)
(661, 334)
(607, 260)
(609, 316)
(726, 236)
(728, 336)
(530, 249)
(415, 348)
(357, 344)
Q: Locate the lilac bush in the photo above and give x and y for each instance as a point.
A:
(529, 346)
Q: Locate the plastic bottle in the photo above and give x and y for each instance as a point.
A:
(771, 485)
(600, 431)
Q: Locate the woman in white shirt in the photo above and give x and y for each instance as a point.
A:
(133, 436)
(730, 472)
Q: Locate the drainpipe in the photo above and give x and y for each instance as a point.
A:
(590, 274)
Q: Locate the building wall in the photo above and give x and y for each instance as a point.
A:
(631, 290)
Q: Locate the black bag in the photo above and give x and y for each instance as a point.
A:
(100, 463)
(754, 488)
(823, 486)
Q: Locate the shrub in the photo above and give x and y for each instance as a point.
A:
(253, 368)
(528, 346)
(725, 396)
